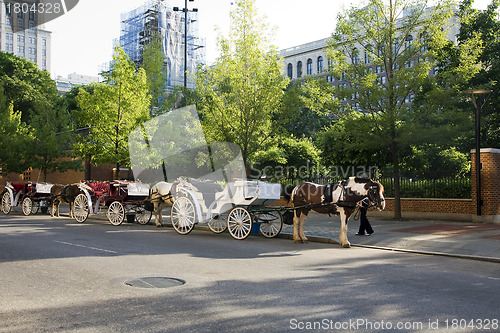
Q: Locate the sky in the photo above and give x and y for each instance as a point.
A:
(82, 39)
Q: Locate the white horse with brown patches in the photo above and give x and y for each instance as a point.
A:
(337, 198)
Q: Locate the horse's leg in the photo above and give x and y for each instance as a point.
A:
(71, 204)
(343, 229)
(296, 218)
(302, 220)
(57, 208)
(158, 217)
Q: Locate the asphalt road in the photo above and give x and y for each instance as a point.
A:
(60, 276)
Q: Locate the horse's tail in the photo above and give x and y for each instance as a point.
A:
(288, 195)
(287, 192)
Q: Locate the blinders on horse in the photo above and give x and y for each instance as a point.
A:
(374, 195)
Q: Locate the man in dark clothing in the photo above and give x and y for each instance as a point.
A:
(364, 224)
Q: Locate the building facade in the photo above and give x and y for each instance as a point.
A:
(311, 58)
(21, 36)
(157, 18)
(65, 84)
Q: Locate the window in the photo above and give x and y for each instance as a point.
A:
(368, 54)
(290, 71)
(44, 42)
(299, 69)
(408, 42)
(7, 21)
(20, 49)
(20, 24)
(20, 38)
(320, 64)
(355, 56)
(31, 15)
(396, 46)
(309, 66)
(32, 26)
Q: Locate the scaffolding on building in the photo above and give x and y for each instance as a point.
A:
(157, 18)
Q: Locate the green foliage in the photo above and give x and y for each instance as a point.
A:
(153, 64)
(291, 158)
(112, 110)
(239, 96)
(51, 148)
(14, 138)
(29, 89)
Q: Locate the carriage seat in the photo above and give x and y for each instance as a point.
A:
(207, 190)
(99, 188)
(18, 186)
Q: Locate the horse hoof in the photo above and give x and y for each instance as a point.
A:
(159, 225)
(346, 245)
(304, 241)
(297, 241)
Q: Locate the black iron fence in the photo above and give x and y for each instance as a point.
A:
(445, 188)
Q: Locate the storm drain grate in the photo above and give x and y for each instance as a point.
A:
(155, 282)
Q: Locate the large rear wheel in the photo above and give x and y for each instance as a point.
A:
(183, 215)
(116, 213)
(142, 216)
(270, 223)
(239, 223)
(81, 208)
(6, 203)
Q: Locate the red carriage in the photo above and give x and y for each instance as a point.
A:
(119, 198)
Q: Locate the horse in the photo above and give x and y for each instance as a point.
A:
(63, 193)
(337, 198)
(160, 196)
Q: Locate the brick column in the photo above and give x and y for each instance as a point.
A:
(490, 183)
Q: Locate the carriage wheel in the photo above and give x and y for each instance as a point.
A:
(270, 223)
(239, 223)
(218, 223)
(142, 216)
(6, 203)
(81, 208)
(35, 208)
(27, 205)
(116, 213)
(183, 215)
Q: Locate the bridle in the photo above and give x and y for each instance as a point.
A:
(372, 196)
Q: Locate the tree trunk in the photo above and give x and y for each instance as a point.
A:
(88, 168)
(395, 176)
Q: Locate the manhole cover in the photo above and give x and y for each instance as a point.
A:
(155, 282)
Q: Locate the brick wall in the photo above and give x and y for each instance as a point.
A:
(424, 205)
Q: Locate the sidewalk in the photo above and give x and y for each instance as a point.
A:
(458, 239)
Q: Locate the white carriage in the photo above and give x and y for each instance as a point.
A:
(208, 180)
(237, 207)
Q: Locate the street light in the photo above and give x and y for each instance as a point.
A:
(185, 10)
(478, 108)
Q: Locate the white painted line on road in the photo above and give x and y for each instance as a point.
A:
(87, 247)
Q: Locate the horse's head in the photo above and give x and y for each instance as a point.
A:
(361, 188)
(376, 194)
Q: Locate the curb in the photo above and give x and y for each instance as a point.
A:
(327, 240)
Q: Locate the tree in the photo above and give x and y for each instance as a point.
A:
(478, 27)
(385, 59)
(14, 138)
(239, 95)
(153, 64)
(112, 110)
(53, 137)
(29, 89)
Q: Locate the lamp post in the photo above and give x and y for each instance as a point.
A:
(477, 162)
(185, 10)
